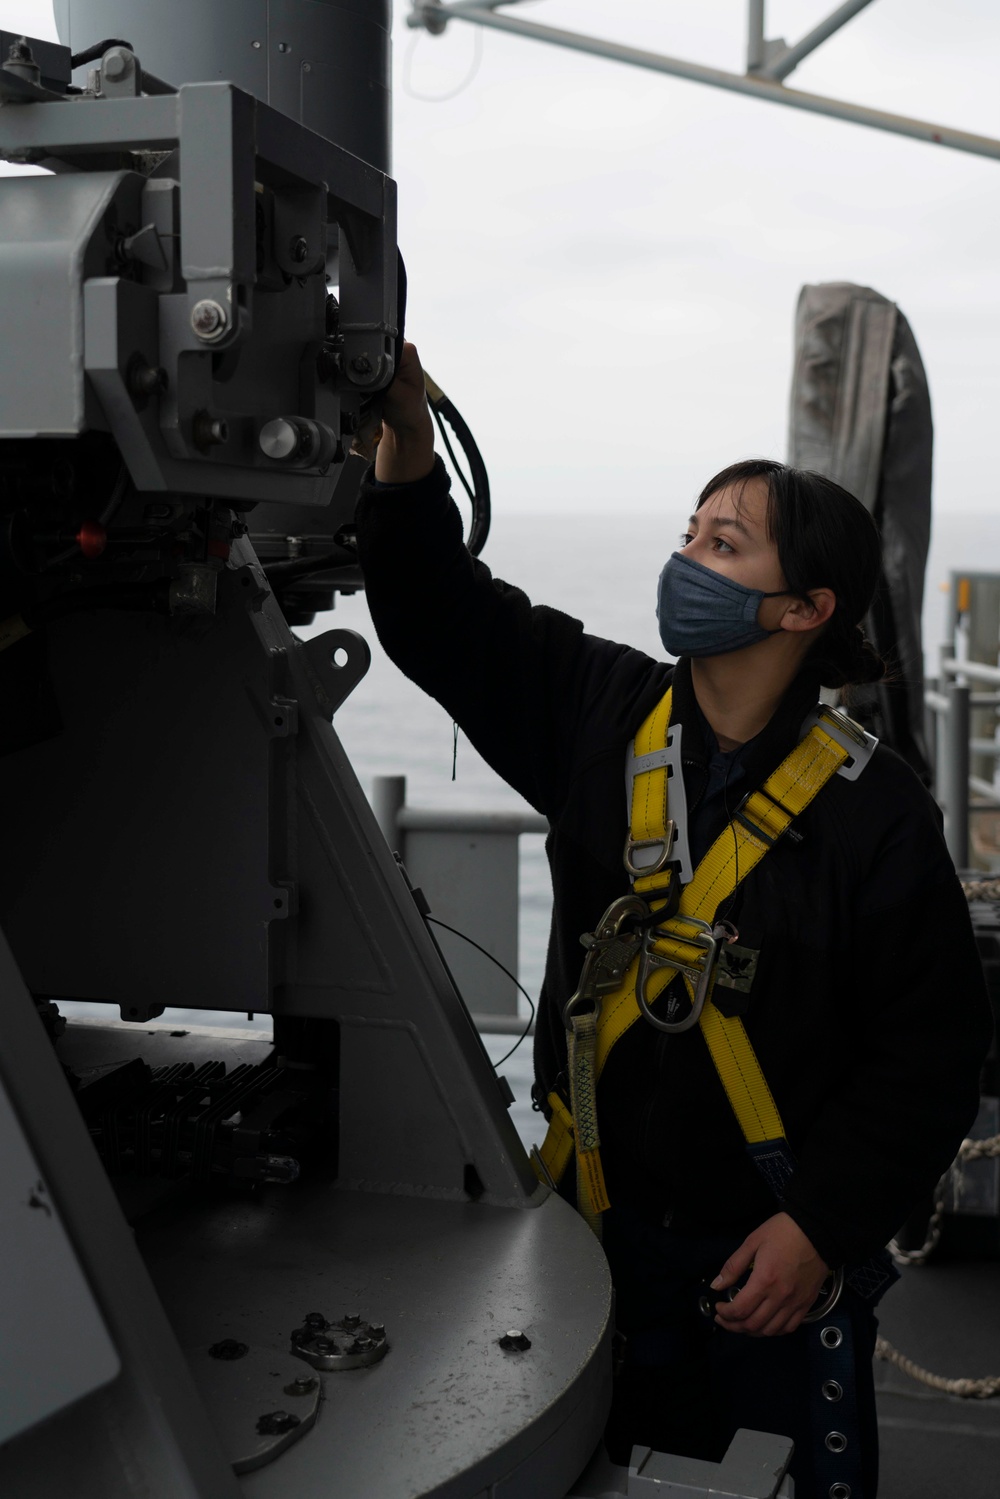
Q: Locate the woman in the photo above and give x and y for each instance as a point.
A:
(866, 1007)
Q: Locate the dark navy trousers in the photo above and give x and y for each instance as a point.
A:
(686, 1385)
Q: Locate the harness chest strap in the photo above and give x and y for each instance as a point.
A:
(762, 818)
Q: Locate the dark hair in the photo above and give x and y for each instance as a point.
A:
(825, 539)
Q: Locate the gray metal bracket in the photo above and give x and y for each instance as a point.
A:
(208, 318)
(754, 1467)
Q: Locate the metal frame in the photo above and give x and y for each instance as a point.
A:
(769, 62)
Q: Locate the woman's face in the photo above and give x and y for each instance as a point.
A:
(729, 535)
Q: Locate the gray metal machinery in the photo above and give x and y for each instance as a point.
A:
(323, 1267)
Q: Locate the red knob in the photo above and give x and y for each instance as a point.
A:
(92, 538)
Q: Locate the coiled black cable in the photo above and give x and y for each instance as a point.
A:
(444, 410)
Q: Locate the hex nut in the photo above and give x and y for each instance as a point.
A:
(514, 1341)
(299, 249)
(274, 1423)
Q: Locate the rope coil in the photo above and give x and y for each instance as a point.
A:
(965, 1389)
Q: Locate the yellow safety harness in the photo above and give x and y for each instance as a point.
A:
(625, 969)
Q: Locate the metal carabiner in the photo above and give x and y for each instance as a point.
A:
(703, 937)
(603, 967)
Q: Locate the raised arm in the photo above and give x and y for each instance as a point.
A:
(529, 688)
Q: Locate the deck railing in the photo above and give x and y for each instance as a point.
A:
(950, 701)
(467, 865)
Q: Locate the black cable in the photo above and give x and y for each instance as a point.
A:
(451, 454)
(531, 1018)
(478, 489)
(91, 54)
(736, 846)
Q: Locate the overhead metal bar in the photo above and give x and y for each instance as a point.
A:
(779, 60)
(434, 15)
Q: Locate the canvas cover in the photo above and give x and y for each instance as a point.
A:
(860, 413)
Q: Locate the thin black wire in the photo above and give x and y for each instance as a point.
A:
(472, 943)
(451, 454)
(736, 844)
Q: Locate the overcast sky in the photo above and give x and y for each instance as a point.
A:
(604, 262)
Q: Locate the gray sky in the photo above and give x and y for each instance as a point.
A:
(604, 263)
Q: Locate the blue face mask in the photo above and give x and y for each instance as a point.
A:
(703, 613)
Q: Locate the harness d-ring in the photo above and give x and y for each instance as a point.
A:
(829, 1300)
(650, 960)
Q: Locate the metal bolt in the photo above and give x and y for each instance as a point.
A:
(351, 1319)
(146, 379)
(116, 64)
(307, 67)
(229, 1349)
(377, 1330)
(314, 1319)
(255, 46)
(284, 47)
(209, 431)
(299, 249)
(361, 364)
(514, 1341)
(209, 320)
(323, 1345)
(21, 62)
(303, 1386)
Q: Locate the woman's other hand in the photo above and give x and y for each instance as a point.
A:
(406, 450)
(785, 1280)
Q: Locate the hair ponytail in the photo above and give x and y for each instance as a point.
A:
(845, 657)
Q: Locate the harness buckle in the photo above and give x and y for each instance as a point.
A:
(753, 828)
(701, 973)
(659, 862)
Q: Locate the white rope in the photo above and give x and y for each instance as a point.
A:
(965, 1389)
(981, 889)
(969, 1150)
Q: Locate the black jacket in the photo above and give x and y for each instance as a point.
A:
(868, 1011)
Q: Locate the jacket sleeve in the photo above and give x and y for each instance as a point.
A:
(515, 677)
(919, 1024)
